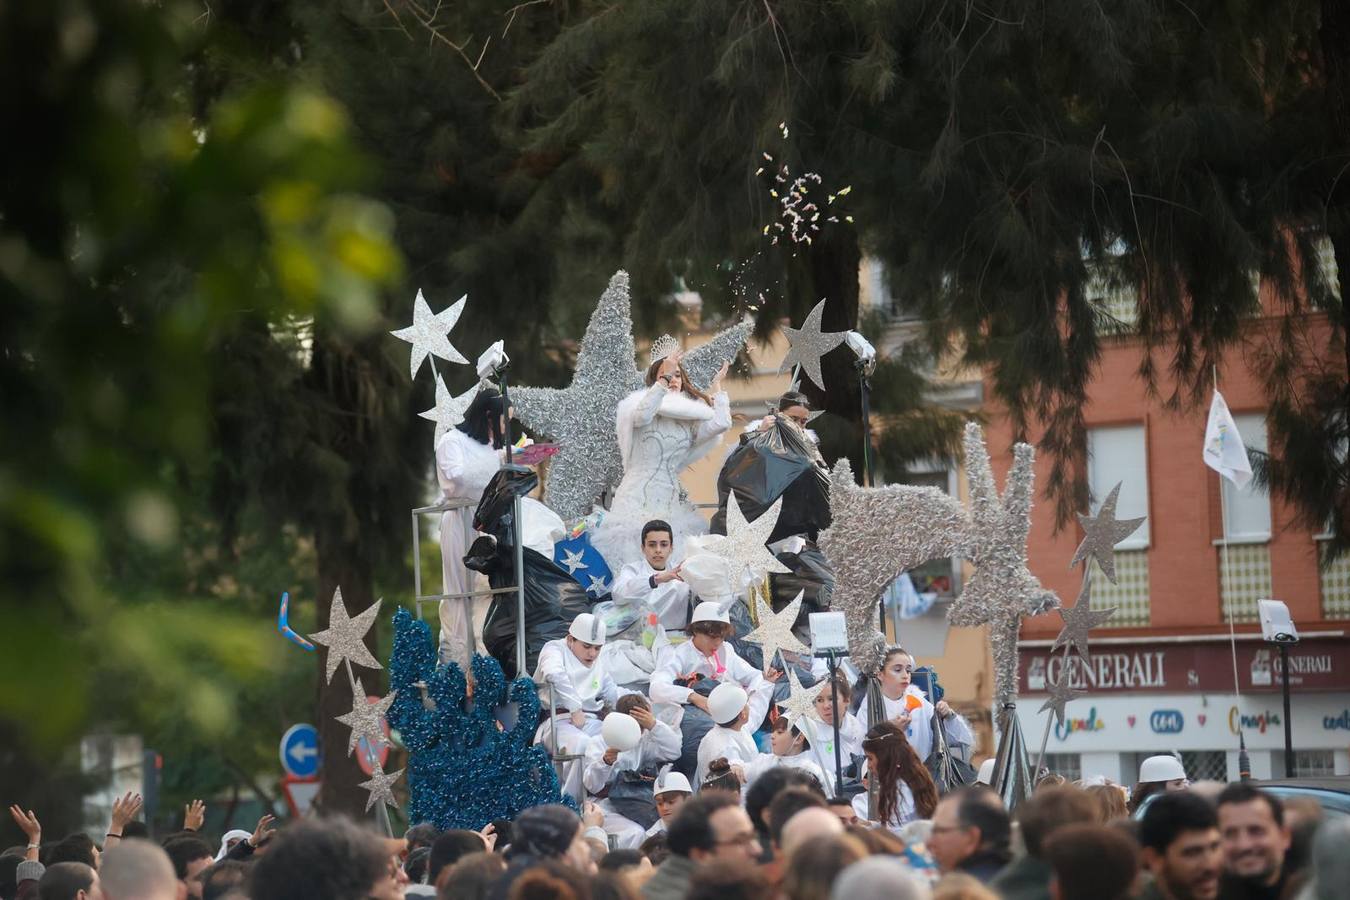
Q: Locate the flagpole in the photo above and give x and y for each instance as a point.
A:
(1244, 764)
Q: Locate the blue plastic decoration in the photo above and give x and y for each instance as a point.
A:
(582, 561)
(464, 768)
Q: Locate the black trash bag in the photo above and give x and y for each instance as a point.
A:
(811, 574)
(774, 462)
(494, 514)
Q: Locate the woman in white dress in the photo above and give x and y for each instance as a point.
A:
(467, 456)
(906, 706)
(905, 790)
(662, 429)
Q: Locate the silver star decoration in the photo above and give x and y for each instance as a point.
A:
(573, 561)
(774, 631)
(449, 411)
(598, 586)
(745, 547)
(430, 333)
(345, 636)
(580, 418)
(1102, 532)
(806, 345)
(364, 719)
(1060, 695)
(1079, 620)
(796, 387)
(380, 787)
(801, 701)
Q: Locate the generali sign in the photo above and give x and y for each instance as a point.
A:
(1314, 665)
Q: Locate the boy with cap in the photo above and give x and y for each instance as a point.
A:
(671, 790)
(576, 671)
(728, 705)
(653, 581)
(707, 655)
(626, 776)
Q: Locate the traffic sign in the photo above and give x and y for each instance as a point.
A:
(363, 748)
(300, 751)
(300, 794)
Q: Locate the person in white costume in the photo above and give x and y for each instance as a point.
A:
(652, 581)
(662, 429)
(906, 706)
(851, 732)
(905, 790)
(670, 791)
(707, 654)
(467, 456)
(728, 739)
(792, 748)
(574, 668)
(658, 744)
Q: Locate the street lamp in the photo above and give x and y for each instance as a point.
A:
(1278, 628)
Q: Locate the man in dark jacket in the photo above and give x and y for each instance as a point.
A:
(710, 827)
(971, 833)
(1050, 809)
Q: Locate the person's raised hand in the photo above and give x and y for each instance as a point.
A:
(643, 717)
(28, 823)
(773, 674)
(716, 386)
(903, 720)
(194, 816)
(943, 709)
(489, 835)
(124, 809)
(262, 831)
(610, 755)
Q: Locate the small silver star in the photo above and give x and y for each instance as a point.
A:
(380, 787)
(1102, 532)
(345, 636)
(1060, 695)
(449, 411)
(364, 719)
(796, 387)
(573, 561)
(745, 547)
(430, 333)
(801, 701)
(806, 345)
(1079, 620)
(774, 631)
(598, 586)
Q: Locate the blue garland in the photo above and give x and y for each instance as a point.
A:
(463, 771)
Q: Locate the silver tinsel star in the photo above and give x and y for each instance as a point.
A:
(345, 636)
(774, 631)
(380, 787)
(745, 547)
(364, 719)
(1060, 695)
(1102, 532)
(1079, 620)
(430, 333)
(573, 561)
(449, 410)
(806, 345)
(801, 701)
(598, 586)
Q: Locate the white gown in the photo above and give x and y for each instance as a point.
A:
(660, 433)
(920, 730)
(463, 468)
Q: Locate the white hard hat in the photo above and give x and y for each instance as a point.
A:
(588, 629)
(726, 702)
(1161, 768)
(621, 731)
(986, 775)
(710, 612)
(671, 782)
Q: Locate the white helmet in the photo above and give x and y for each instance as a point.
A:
(670, 782)
(986, 774)
(1161, 768)
(588, 629)
(726, 702)
(710, 612)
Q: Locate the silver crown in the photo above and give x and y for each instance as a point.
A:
(663, 347)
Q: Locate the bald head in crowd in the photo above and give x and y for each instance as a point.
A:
(808, 825)
(137, 870)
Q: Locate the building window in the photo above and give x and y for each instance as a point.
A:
(1070, 765)
(1314, 763)
(1245, 578)
(1205, 765)
(1326, 261)
(1335, 577)
(1116, 303)
(1119, 455)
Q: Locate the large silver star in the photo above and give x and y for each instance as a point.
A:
(801, 701)
(774, 631)
(430, 333)
(806, 345)
(598, 586)
(364, 719)
(1060, 695)
(381, 787)
(1102, 532)
(345, 636)
(1079, 620)
(745, 547)
(449, 410)
(573, 561)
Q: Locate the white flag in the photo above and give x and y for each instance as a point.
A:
(1224, 450)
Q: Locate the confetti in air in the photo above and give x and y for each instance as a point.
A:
(800, 215)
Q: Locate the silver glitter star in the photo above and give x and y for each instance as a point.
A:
(364, 719)
(430, 333)
(745, 547)
(380, 787)
(774, 631)
(598, 586)
(806, 345)
(704, 361)
(573, 561)
(1060, 695)
(345, 636)
(801, 701)
(1102, 532)
(449, 411)
(1079, 620)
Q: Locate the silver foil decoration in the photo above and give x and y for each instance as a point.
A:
(746, 544)
(380, 787)
(430, 333)
(801, 701)
(1060, 696)
(806, 345)
(1012, 778)
(345, 637)
(774, 631)
(1079, 620)
(364, 719)
(449, 410)
(1102, 532)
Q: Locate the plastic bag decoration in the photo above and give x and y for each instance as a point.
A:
(463, 770)
(773, 462)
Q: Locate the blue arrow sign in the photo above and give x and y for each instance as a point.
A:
(300, 751)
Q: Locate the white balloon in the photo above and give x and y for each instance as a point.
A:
(621, 732)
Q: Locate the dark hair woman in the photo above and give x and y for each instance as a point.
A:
(905, 790)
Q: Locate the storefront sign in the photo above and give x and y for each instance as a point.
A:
(1337, 723)
(1167, 721)
(1255, 721)
(1074, 726)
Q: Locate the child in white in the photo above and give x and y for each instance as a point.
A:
(652, 581)
(851, 732)
(906, 706)
(581, 684)
(791, 748)
(706, 654)
(657, 744)
(729, 708)
(671, 790)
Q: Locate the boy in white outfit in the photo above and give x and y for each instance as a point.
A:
(670, 791)
(581, 683)
(653, 581)
(707, 654)
(657, 745)
(728, 705)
